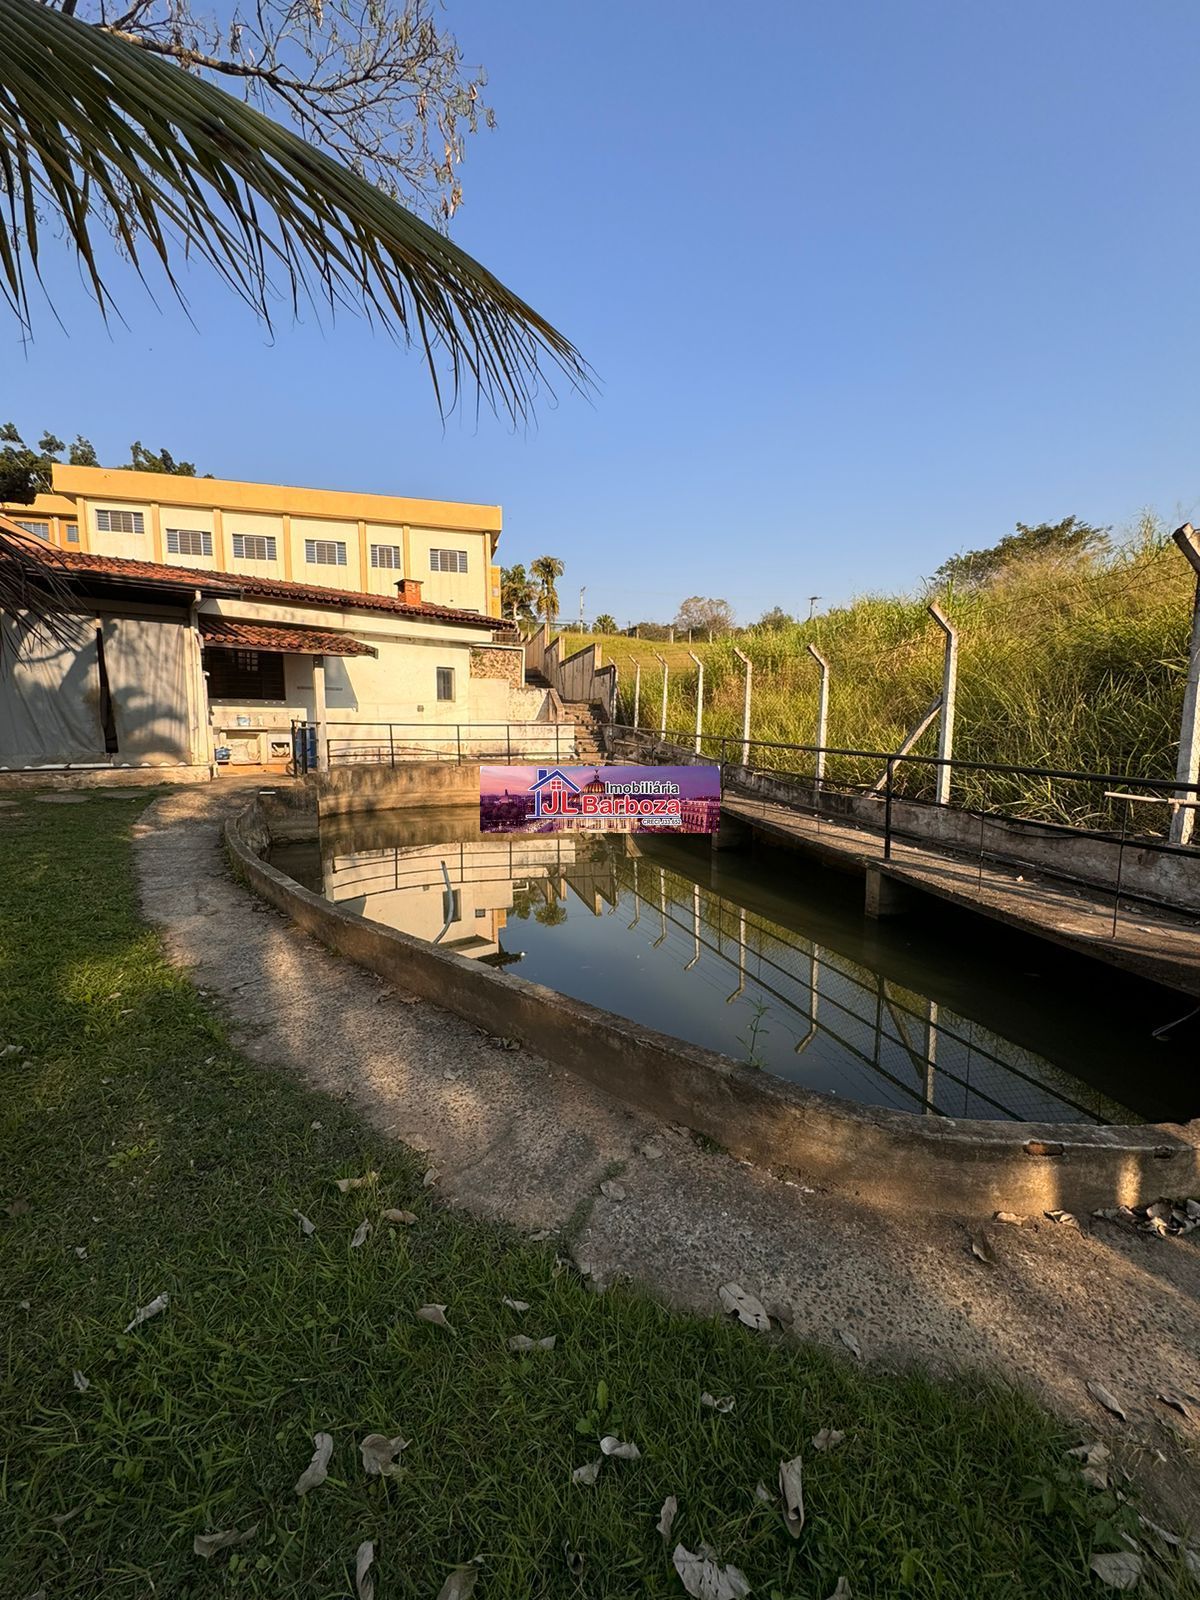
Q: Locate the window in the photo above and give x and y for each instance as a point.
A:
(325, 552)
(445, 683)
(386, 555)
(41, 529)
(447, 561)
(244, 675)
(188, 542)
(120, 522)
(72, 529)
(254, 547)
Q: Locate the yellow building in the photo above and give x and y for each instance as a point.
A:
(361, 542)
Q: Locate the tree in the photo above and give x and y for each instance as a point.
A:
(547, 570)
(777, 617)
(702, 615)
(161, 460)
(605, 623)
(145, 145)
(517, 593)
(1068, 540)
(26, 473)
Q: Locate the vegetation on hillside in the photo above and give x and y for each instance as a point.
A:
(1075, 662)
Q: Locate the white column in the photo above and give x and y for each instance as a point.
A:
(822, 711)
(949, 688)
(1187, 767)
(319, 712)
(699, 699)
(746, 662)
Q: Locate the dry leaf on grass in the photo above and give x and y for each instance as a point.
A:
(515, 1305)
(430, 1177)
(460, 1584)
(611, 1190)
(379, 1455)
(365, 1182)
(791, 1487)
(1106, 1398)
(207, 1544)
(363, 1559)
(1013, 1218)
(744, 1306)
(405, 1217)
(574, 1560)
(761, 1492)
(1095, 1458)
(81, 1383)
(19, 1207)
(436, 1314)
(1122, 1569)
(589, 1473)
(827, 1439)
(841, 1591)
(612, 1446)
(81, 1251)
(317, 1470)
(521, 1342)
(666, 1517)
(850, 1342)
(144, 1313)
(724, 1405)
(61, 1518)
(306, 1227)
(705, 1579)
(1176, 1402)
(360, 1233)
(981, 1248)
(1065, 1219)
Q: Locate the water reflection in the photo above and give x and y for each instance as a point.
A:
(783, 973)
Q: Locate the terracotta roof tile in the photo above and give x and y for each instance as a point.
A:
(122, 569)
(234, 633)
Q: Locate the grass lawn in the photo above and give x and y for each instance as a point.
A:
(141, 1155)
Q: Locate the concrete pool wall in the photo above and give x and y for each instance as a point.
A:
(893, 1157)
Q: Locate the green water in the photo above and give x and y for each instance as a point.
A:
(768, 959)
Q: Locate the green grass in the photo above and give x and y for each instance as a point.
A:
(133, 1131)
(1079, 667)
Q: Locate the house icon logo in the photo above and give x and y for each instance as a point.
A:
(550, 780)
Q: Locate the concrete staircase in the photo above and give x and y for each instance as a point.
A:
(586, 718)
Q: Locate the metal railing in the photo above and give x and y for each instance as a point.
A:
(753, 767)
(395, 743)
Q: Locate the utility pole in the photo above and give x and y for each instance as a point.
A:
(812, 605)
(582, 592)
(1187, 769)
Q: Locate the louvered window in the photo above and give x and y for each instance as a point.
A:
(254, 547)
(386, 555)
(120, 522)
(325, 552)
(447, 561)
(189, 542)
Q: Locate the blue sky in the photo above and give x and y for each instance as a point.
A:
(863, 283)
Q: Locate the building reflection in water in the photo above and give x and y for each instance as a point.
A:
(698, 965)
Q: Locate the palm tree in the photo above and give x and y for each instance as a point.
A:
(605, 623)
(517, 593)
(96, 132)
(546, 569)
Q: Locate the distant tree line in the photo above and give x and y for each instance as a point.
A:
(27, 471)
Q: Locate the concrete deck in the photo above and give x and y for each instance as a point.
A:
(1152, 944)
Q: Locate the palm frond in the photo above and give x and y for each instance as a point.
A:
(35, 590)
(91, 126)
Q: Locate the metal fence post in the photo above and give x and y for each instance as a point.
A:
(392, 742)
(663, 661)
(887, 811)
(746, 662)
(822, 712)
(1187, 768)
(949, 688)
(699, 699)
(458, 740)
(637, 691)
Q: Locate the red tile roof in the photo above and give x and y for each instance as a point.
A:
(232, 633)
(119, 569)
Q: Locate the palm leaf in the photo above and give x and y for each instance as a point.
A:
(93, 127)
(35, 590)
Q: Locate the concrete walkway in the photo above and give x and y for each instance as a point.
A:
(516, 1138)
(1152, 944)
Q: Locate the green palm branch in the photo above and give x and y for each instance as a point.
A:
(94, 129)
(547, 569)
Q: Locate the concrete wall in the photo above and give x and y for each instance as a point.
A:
(1171, 879)
(581, 676)
(345, 790)
(888, 1157)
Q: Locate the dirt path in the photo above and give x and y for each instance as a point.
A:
(515, 1137)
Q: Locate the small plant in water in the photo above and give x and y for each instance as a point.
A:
(752, 1035)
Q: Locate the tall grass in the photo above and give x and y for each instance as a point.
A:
(1077, 666)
